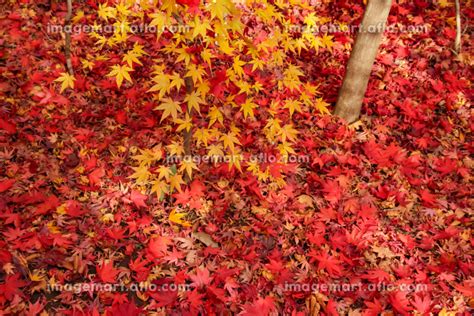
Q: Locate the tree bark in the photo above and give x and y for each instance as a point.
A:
(67, 44)
(187, 135)
(457, 42)
(362, 59)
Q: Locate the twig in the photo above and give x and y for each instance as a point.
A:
(67, 46)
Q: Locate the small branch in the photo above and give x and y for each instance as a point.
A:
(67, 45)
(457, 42)
(188, 134)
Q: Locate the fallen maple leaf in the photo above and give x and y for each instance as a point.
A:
(177, 218)
(158, 246)
(201, 277)
(67, 81)
(96, 175)
(107, 272)
(12, 286)
(422, 304)
(7, 126)
(138, 199)
(120, 72)
(6, 184)
(261, 307)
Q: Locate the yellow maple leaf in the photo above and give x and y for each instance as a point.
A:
(79, 15)
(123, 9)
(224, 45)
(310, 20)
(444, 3)
(67, 81)
(238, 64)
(120, 72)
(247, 108)
(87, 64)
(288, 132)
(202, 136)
(185, 124)
(444, 312)
(322, 106)
(234, 160)
(257, 64)
(176, 181)
(229, 140)
(196, 73)
(215, 151)
(183, 55)
(176, 81)
(194, 100)
(147, 156)
(130, 58)
(159, 187)
(206, 55)
(164, 172)
(200, 28)
(160, 20)
(105, 12)
(215, 115)
(327, 42)
(188, 165)
(177, 218)
(138, 50)
(293, 105)
(141, 174)
(285, 149)
(162, 84)
(220, 9)
(175, 149)
(169, 107)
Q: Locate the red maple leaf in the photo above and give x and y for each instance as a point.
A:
(125, 309)
(158, 247)
(96, 175)
(35, 309)
(329, 263)
(6, 184)
(74, 209)
(201, 277)
(261, 307)
(182, 197)
(192, 4)
(138, 199)
(333, 191)
(373, 308)
(422, 304)
(400, 302)
(49, 204)
(12, 286)
(107, 272)
(197, 188)
(10, 128)
(428, 199)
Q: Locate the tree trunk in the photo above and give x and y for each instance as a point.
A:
(457, 42)
(362, 59)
